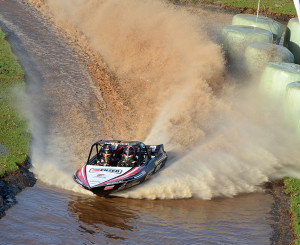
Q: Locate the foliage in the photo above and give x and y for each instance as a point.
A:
(14, 135)
(293, 189)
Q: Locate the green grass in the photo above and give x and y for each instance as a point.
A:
(14, 135)
(293, 189)
(269, 6)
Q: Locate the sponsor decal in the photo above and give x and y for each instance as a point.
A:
(107, 170)
(140, 175)
(109, 187)
(114, 171)
(92, 170)
(156, 162)
(100, 175)
(131, 172)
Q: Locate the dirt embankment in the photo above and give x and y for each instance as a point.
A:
(14, 182)
(280, 215)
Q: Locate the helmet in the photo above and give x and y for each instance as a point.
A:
(129, 153)
(107, 149)
(107, 153)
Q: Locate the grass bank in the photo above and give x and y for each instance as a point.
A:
(292, 186)
(285, 7)
(14, 135)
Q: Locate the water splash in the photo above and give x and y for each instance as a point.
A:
(222, 140)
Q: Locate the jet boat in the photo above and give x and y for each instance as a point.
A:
(104, 178)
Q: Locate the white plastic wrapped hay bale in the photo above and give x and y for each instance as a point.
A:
(292, 38)
(258, 55)
(235, 40)
(276, 76)
(262, 22)
(293, 104)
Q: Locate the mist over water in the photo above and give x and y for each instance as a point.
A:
(171, 88)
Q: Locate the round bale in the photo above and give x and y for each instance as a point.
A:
(292, 38)
(258, 55)
(235, 40)
(293, 104)
(262, 22)
(276, 76)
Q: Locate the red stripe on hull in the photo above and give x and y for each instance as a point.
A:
(126, 175)
(81, 175)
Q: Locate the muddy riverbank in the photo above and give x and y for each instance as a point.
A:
(280, 213)
(14, 182)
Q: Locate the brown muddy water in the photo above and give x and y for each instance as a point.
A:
(64, 117)
(46, 215)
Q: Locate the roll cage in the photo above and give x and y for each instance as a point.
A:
(142, 151)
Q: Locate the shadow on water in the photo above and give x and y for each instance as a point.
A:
(98, 212)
